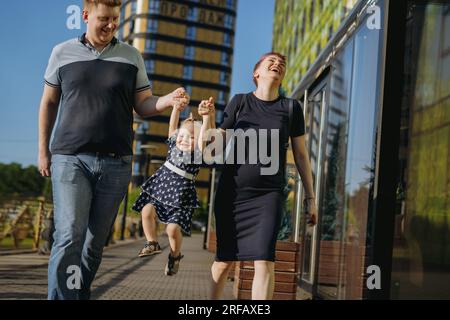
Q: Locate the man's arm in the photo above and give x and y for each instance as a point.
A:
(146, 104)
(48, 111)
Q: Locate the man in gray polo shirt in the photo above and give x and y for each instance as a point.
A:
(98, 81)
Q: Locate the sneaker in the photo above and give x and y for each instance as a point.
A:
(150, 248)
(172, 265)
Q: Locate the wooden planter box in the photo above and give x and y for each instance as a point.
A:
(286, 273)
(212, 242)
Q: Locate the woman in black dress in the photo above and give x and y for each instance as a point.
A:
(249, 205)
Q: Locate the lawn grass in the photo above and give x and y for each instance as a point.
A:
(8, 244)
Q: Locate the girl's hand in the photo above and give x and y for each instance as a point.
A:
(211, 106)
(179, 107)
(206, 106)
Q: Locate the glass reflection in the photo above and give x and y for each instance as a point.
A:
(421, 257)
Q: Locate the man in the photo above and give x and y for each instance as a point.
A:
(98, 80)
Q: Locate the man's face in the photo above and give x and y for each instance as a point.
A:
(102, 23)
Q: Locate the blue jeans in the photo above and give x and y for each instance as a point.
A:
(87, 191)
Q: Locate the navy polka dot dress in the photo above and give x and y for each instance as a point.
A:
(173, 196)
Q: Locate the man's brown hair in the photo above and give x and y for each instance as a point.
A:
(87, 4)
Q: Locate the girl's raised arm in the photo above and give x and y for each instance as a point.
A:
(174, 119)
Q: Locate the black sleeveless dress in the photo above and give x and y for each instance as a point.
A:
(248, 205)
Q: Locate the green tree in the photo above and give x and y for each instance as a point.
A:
(15, 180)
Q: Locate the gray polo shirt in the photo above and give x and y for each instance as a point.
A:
(97, 95)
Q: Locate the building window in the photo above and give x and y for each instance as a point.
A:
(219, 116)
(224, 77)
(150, 46)
(189, 52)
(191, 33)
(330, 32)
(135, 168)
(311, 14)
(152, 26)
(185, 113)
(133, 7)
(138, 147)
(229, 20)
(221, 98)
(225, 59)
(132, 26)
(226, 39)
(230, 4)
(302, 32)
(296, 37)
(193, 14)
(142, 129)
(153, 7)
(122, 13)
(188, 90)
(150, 66)
(187, 72)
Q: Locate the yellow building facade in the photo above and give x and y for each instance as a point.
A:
(184, 44)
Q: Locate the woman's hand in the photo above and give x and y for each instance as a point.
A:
(310, 209)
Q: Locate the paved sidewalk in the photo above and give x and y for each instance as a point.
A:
(122, 275)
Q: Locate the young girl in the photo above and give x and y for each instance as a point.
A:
(170, 193)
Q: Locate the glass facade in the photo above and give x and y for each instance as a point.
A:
(341, 117)
(348, 108)
(421, 255)
(333, 187)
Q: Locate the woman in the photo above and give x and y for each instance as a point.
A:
(248, 205)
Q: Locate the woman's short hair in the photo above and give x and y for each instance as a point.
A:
(263, 57)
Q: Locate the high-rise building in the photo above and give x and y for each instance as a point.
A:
(302, 29)
(185, 43)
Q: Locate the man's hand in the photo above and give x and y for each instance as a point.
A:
(206, 107)
(44, 162)
(178, 98)
(146, 104)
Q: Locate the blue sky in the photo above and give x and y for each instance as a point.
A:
(30, 29)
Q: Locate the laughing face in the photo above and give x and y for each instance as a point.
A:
(102, 23)
(272, 68)
(186, 137)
